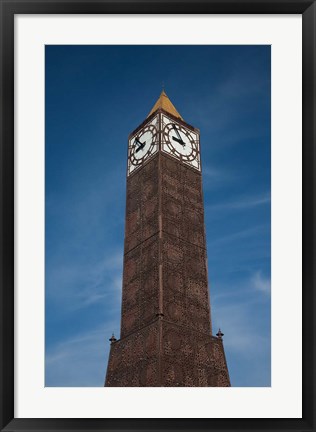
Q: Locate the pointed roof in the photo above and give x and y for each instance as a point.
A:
(165, 103)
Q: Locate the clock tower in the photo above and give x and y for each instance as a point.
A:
(166, 336)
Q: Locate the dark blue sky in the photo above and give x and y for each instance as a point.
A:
(95, 96)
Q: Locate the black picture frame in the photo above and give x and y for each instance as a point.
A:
(8, 9)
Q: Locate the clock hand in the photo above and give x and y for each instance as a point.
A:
(140, 148)
(177, 132)
(179, 141)
(140, 144)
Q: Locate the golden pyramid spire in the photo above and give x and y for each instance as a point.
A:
(165, 103)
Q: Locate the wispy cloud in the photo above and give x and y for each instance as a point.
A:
(92, 291)
(79, 286)
(244, 289)
(238, 235)
(261, 283)
(237, 323)
(243, 314)
(242, 203)
(78, 361)
(221, 115)
(230, 88)
(213, 173)
(214, 177)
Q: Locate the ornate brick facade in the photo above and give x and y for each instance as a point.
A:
(165, 323)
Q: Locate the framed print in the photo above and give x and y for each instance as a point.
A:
(149, 150)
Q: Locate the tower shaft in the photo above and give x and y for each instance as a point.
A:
(165, 324)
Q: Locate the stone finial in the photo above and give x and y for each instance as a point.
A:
(112, 338)
(219, 334)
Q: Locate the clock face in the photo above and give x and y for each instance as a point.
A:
(180, 142)
(142, 145)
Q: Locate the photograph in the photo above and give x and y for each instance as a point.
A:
(157, 216)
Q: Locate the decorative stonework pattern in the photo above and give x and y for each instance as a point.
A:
(185, 295)
(196, 366)
(140, 301)
(142, 205)
(141, 271)
(138, 361)
(134, 361)
(182, 206)
(165, 324)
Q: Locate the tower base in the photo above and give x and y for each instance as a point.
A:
(150, 357)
